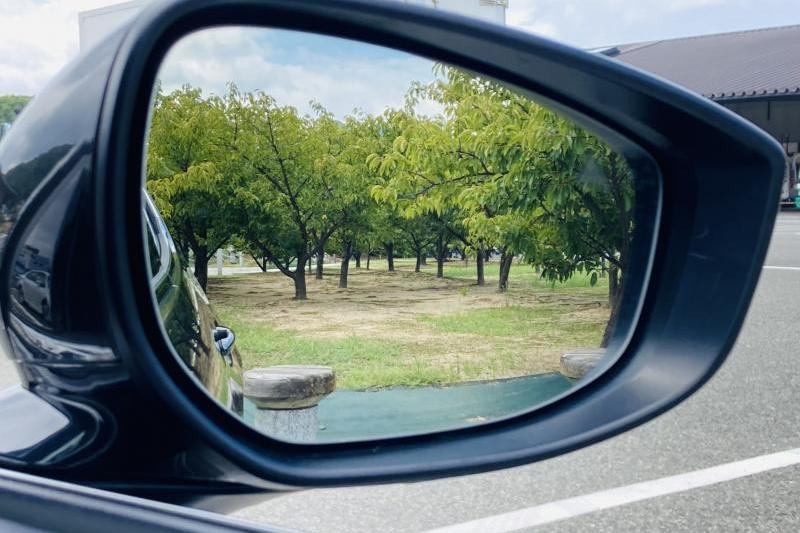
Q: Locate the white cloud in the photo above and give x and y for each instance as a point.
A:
(680, 5)
(591, 23)
(336, 73)
(37, 38)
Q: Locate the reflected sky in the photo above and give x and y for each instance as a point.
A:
(295, 68)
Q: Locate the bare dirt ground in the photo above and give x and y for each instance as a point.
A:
(529, 333)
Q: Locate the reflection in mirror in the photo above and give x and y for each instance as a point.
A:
(380, 244)
(30, 293)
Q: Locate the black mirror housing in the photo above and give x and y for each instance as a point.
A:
(719, 179)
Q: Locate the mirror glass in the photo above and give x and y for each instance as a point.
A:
(349, 242)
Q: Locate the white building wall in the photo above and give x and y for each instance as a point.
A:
(95, 24)
(488, 10)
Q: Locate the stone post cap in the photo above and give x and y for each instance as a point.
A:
(578, 363)
(288, 386)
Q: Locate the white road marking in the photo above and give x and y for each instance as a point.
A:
(607, 499)
(768, 267)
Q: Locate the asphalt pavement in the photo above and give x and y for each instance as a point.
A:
(750, 408)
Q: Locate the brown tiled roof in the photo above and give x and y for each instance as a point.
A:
(726, 66)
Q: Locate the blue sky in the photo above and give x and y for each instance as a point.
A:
(295, 68)
(591, 23)
(38, 37)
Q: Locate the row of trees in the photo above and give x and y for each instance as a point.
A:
(491, 171)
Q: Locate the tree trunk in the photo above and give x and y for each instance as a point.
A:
(424, 259)
(320, 261)
(357, 255)
(347, 252)
(262, 263)
(613, 286)
(419, 261)
(368, 254)
(505, 269)
(201, 266)
(441, 251)
(614, 296)
(479, 263)
(390, 256)
(300, 279)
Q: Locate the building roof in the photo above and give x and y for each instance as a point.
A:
(725, 66)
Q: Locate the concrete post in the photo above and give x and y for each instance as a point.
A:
(219, 262)
(241, 259)
(286, 399)
(578, 363)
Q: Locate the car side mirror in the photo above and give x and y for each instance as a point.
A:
(224, 338)
(608, 139)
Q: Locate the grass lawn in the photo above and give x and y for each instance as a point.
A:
(409, 329)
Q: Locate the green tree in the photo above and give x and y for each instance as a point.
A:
(423, 176)
(360, 215)
(191, 176)
(293, 200)
(495, 150)
(11, 105)
(421, 233)
(492, 170)
(518, 177)
(545, 187)
(590, 222)
(383, 229)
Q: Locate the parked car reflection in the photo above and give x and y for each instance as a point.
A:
(33, 289)
(31, 282)
(205, 346)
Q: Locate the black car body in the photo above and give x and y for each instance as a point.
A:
(188, 318)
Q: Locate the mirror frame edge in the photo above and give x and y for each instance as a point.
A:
(454, 452)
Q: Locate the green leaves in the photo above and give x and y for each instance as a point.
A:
(519, 177)
(190, 173)
(11, 105)
(490, 169)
